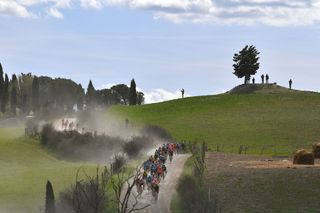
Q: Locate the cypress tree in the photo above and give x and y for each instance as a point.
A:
(14, 82)
(1, 84)
(90, 93)
(5, 94)
(50, 202)
(13, 100)
(14, 79)
(133, 93)
(35, 94)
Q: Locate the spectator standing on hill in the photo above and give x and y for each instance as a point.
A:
(267, 78)
(290, 83)
(262, 79)
(253, 80)
(182, 93)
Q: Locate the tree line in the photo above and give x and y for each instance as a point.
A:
(25, 94)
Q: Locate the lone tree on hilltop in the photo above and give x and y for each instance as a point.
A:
(133, 93)
(246, 62)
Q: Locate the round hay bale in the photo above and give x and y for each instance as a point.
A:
(303, 157)
(316, 150)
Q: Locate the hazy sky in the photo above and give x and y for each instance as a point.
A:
(165, 45)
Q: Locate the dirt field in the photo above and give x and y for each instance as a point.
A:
(263, 185)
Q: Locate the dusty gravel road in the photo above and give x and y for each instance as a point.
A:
(167, 187)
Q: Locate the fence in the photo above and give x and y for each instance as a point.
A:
(242, 149)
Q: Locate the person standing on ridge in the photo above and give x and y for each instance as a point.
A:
(253, 81)
(182, 93)
(262, 79)
(290, 83)
(267, 78)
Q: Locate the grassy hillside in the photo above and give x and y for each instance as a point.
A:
(25, 168)
(271, 119)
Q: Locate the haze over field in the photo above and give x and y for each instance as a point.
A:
(164, 45)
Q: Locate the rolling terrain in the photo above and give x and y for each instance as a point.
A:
(269, 119)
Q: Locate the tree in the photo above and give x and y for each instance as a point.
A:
(1, 83)
(87, 195)
(13, 100)
(25, 82)
(246, 62)
(14, 79)
(50, 201)
(35, 93)
(123, 187)
(90, 94)
(25, 103)
(121, 91)
(5, 94)
(140, 98)
(80, 98)
(133, 93)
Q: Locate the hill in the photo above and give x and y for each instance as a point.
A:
(270, 119)
(263, 88)
(25, 168)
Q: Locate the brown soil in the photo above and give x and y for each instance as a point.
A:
(262, 184)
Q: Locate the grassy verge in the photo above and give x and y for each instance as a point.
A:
(175, 205)
(25, 168)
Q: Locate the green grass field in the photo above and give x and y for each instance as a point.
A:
(272, 121)
(24, 169)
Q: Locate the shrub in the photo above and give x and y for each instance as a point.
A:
(118, 163)
(46, 134)
(88, 195)
(74, 145)
(134, 147)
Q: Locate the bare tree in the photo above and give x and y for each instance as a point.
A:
(88, 195)
(123, 186)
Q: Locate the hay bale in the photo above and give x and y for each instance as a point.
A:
(303, 157)
(316, 150)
